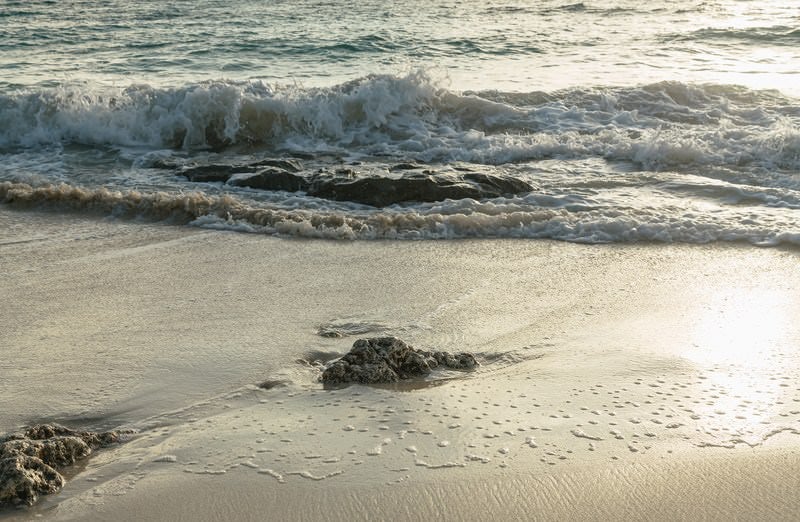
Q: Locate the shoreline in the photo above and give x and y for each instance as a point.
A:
(625, 360)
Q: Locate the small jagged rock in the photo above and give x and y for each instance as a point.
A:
(389, 359)
(92, 438)
(57, 451)
(29, 461)
(24, 478)
(496, 185)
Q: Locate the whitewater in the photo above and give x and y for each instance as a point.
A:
(627, 121)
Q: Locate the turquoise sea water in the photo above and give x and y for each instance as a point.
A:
(629, 120)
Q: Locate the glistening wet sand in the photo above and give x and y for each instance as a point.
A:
(642, 381)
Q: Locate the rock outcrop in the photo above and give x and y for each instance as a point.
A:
(388, 359)
(403, 183)
(427, 186)
(29, 461)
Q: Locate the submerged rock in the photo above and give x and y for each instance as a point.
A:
(388, 359)
(29, 460)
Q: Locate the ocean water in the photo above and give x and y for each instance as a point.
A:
(618, 121)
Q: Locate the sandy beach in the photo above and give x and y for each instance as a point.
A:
(616, 382)
(583, 214)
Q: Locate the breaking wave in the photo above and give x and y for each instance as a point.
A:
(657, 126)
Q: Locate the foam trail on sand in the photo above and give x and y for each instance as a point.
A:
(464, 219)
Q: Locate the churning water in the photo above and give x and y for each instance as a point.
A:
(621, 120)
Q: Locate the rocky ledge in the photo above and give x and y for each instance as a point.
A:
(29, 461)
(388, 359)
(401, 183)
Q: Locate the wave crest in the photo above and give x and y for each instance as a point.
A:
(414, 117)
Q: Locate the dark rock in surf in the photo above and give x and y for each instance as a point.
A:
(380, 191)
(405, 166)
(388, 359)
(29, 461)
(270, 179)
(495, 186)
(287, 164)
(222, 173)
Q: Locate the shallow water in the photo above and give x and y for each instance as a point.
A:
(631, 121)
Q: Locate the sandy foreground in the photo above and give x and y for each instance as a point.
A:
(617, 382)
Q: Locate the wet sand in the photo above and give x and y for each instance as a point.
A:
(619, 381)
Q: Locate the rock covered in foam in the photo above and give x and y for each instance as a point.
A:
(388, 359)
(29, 460)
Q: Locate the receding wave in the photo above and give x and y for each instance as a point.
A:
(413, 117)
(499, 218)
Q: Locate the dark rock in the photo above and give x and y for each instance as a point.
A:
(29, 460)
(388, 359)
(456, 361)
(498, 186)
(383, 191)
(379, 191)
(270, 179)
(222, 173)
(288, 164)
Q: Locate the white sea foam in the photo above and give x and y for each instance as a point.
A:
(662, 162)
(510, 218)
